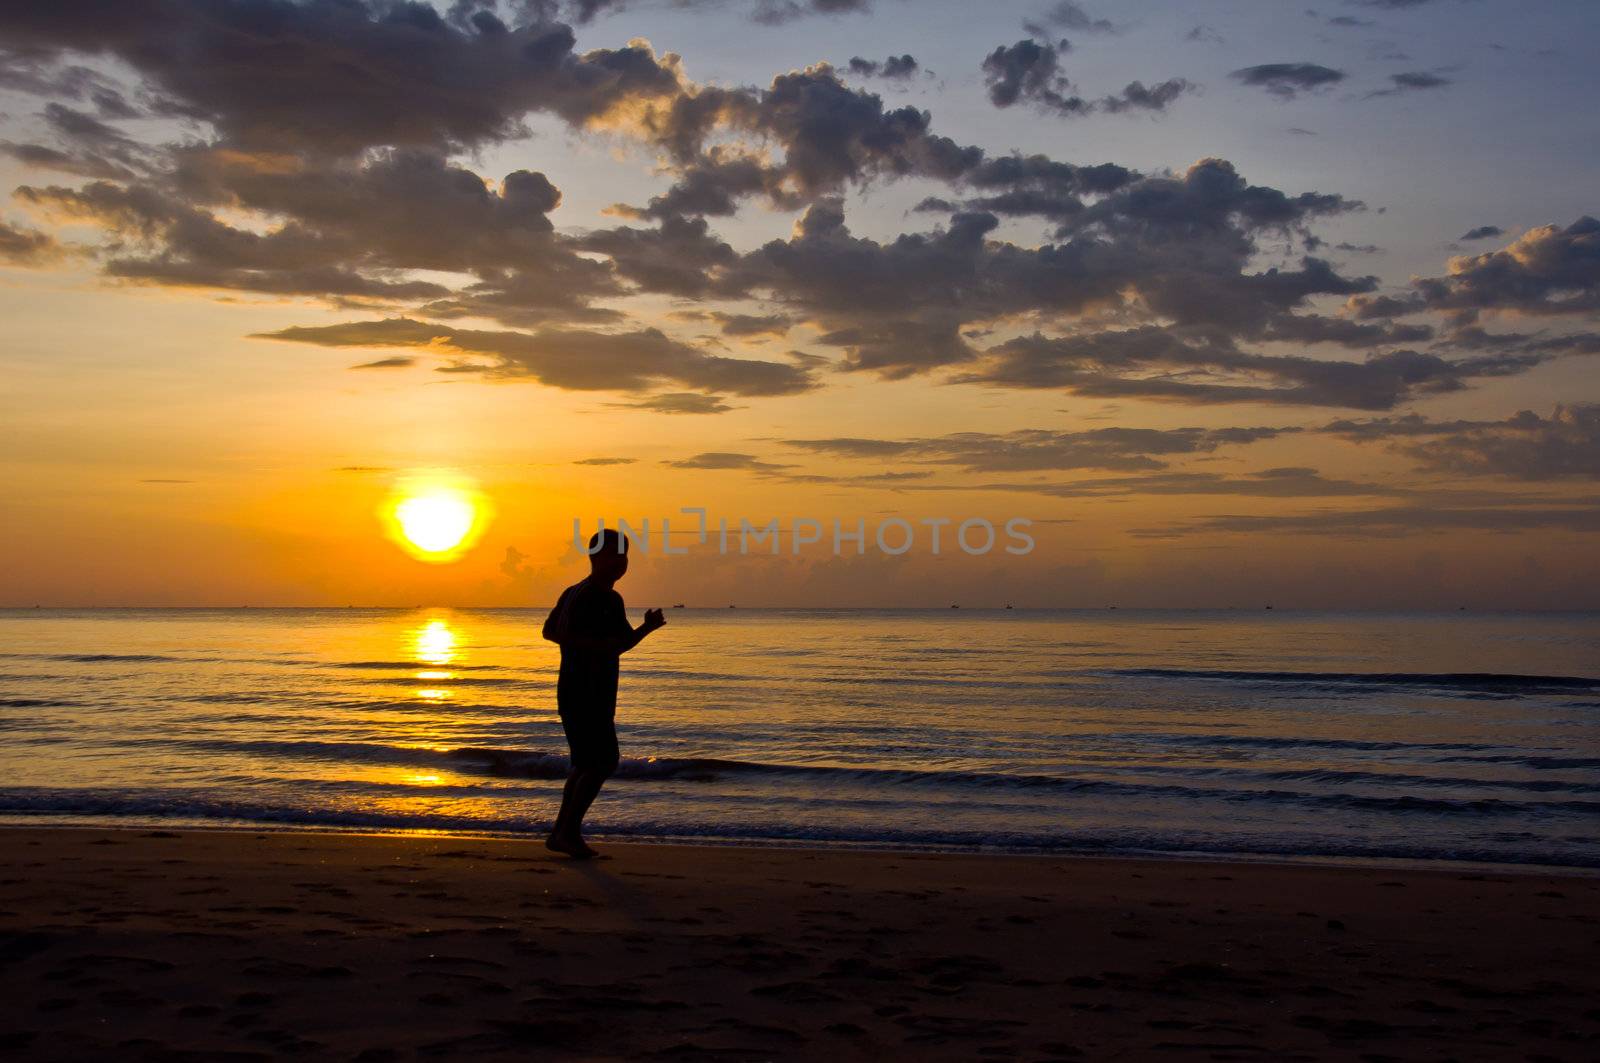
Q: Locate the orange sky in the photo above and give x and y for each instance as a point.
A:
(1294, 395)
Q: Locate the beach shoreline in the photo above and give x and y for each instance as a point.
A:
(1398, 864)
(161, 943)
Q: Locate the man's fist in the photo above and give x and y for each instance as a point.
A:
(653, 619)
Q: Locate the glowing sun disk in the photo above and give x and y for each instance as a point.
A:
(435, 522)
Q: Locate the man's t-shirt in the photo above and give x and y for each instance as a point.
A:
(588, 680)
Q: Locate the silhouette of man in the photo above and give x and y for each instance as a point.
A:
(590, 624)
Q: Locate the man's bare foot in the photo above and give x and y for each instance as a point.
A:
(573, 847)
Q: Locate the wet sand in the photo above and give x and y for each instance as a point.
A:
(211, 945)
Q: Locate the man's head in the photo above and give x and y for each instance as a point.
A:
(608, 554)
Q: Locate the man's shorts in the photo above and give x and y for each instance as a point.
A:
(593, 741)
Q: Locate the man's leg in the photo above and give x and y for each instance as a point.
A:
(594, 759)
(579, 793)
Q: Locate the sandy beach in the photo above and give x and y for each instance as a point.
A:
(158, 944)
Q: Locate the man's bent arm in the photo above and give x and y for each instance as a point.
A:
(617, 644)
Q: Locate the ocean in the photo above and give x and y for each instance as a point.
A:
(1273, 734)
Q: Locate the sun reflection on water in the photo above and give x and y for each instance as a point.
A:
(434, 642)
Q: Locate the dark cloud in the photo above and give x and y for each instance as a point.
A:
(1547, 271)
(348, 231)
(679, 402)
(830, 136)
(1041, 450)
(1524, 446)
(27, 247)
(605, 461)
(1136, 97)
(1288, 80)
(1175, 247)
(1068, 15)
(778, 12)
(338, 76)
(1395, 521)
(397, 362)
(767, 12)
(1141, 284)
(1200, 368)
(744, 325)
(1412, 82)
(896, 67)
(724, 460)
(1482, 232)
(1029, 72)
(566, 358)
(679, 257)
(1284, 482)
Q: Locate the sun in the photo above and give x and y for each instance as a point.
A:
(435, 523)
(436, 519)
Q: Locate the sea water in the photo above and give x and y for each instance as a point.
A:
(1467, 737)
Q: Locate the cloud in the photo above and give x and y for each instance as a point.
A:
(340, 76)
(27, 247)
(1029, 72)
(680, 256)
(1167, 365)
(1041, 450)
(397, 362)
(1525, 446)
(767, 12)
(1395, 521)
(1136, 97)
(724, 460)
(1066, 14)
(677, 402)
(345, 230)
(1282, 482)
(1412, 82)
(1548, 271)
(1482, 232)
(742, 325)
(605, 461)
(1163, 285)
(894, 68)
(1288, 80)
(1170, 247)
(572, 359)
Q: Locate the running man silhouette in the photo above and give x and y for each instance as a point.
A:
(590, 624)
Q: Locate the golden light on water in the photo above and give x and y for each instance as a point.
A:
(436, 517)
(434, 643)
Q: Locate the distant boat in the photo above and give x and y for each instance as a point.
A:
(1269, 607)
(732, 606)
(678, 606)
(955, 607)
(1008, 605)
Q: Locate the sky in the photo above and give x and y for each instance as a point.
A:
(1233, 303)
